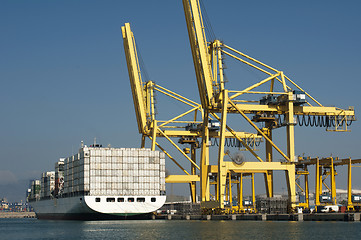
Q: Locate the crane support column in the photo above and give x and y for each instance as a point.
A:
(290, 174)
(349, 186)
(193, 172)
(291, 179)
(290, 129)
(269, 158)
(253, 193)
(222, 170)
(317, 187)
(204, 178)
(307, 196)
(240, 192)
(230, 188)
(154, 134)
(333, 182)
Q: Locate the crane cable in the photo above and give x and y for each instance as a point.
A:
(232, 142)
(208, 26)
(321, 121)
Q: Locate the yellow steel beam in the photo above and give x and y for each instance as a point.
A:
(222, 171)
(240, 192)
(257, 92)
(318, 184)
(134, 77)
(193, 44)
(290, 129)
(154, 134)
(204, 162)
(193, 187)
(151, 105)
(303, 91)
(177, 98)
(327, 161)
(179, 116)
(199, 49)
(302, 190)
(260, 69)
(254, 167)
(298, 110)
(270, 68)
(233, 134)
(349, 184)
(283, 82)
(253, 193)
(220, 66)
(182, 178)
(245, 171)
(245, 62)
(268, 177)
(255, 85)
(325, 184)
(260, 131)
(333, 182)
(180, 150)
(346, 161)
(189, 102)
(248, 57)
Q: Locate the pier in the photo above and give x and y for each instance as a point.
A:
(17, 215)
(347, 217)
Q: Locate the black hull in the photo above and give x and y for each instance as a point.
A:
(91, 216)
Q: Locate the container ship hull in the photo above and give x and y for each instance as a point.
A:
(90, 208)
(101, 183)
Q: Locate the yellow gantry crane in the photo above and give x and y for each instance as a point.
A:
(326, 168)
(291, 103)
(148, 126)
(187, 131)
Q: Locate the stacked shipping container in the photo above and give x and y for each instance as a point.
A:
(99, 171)
(35, 190)
(59, 177)
(115, 172)
(47, 184)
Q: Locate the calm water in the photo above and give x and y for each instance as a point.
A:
(163, 229)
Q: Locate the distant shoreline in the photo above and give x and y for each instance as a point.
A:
(17, 215)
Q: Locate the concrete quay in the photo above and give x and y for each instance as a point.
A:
(348, 217)
(17, 215)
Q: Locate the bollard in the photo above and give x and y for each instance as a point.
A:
(264, 217)
(169, 217)
(209, 217)
(300, 217)
(188, 217)
(234, 217)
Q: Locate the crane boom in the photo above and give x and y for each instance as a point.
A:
(201, 58)
(135, 78)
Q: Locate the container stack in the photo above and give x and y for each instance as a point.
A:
(68, 175)
(47, 184)
(115, 172)
(272, 205)
(35, 189)
(59, 176)
(100, 171)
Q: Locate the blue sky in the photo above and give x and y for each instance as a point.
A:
(64, 77)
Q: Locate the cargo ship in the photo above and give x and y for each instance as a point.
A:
(101, 183)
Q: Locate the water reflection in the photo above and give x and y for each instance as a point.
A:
(183, 230)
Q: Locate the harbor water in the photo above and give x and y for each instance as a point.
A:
(164, 229)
